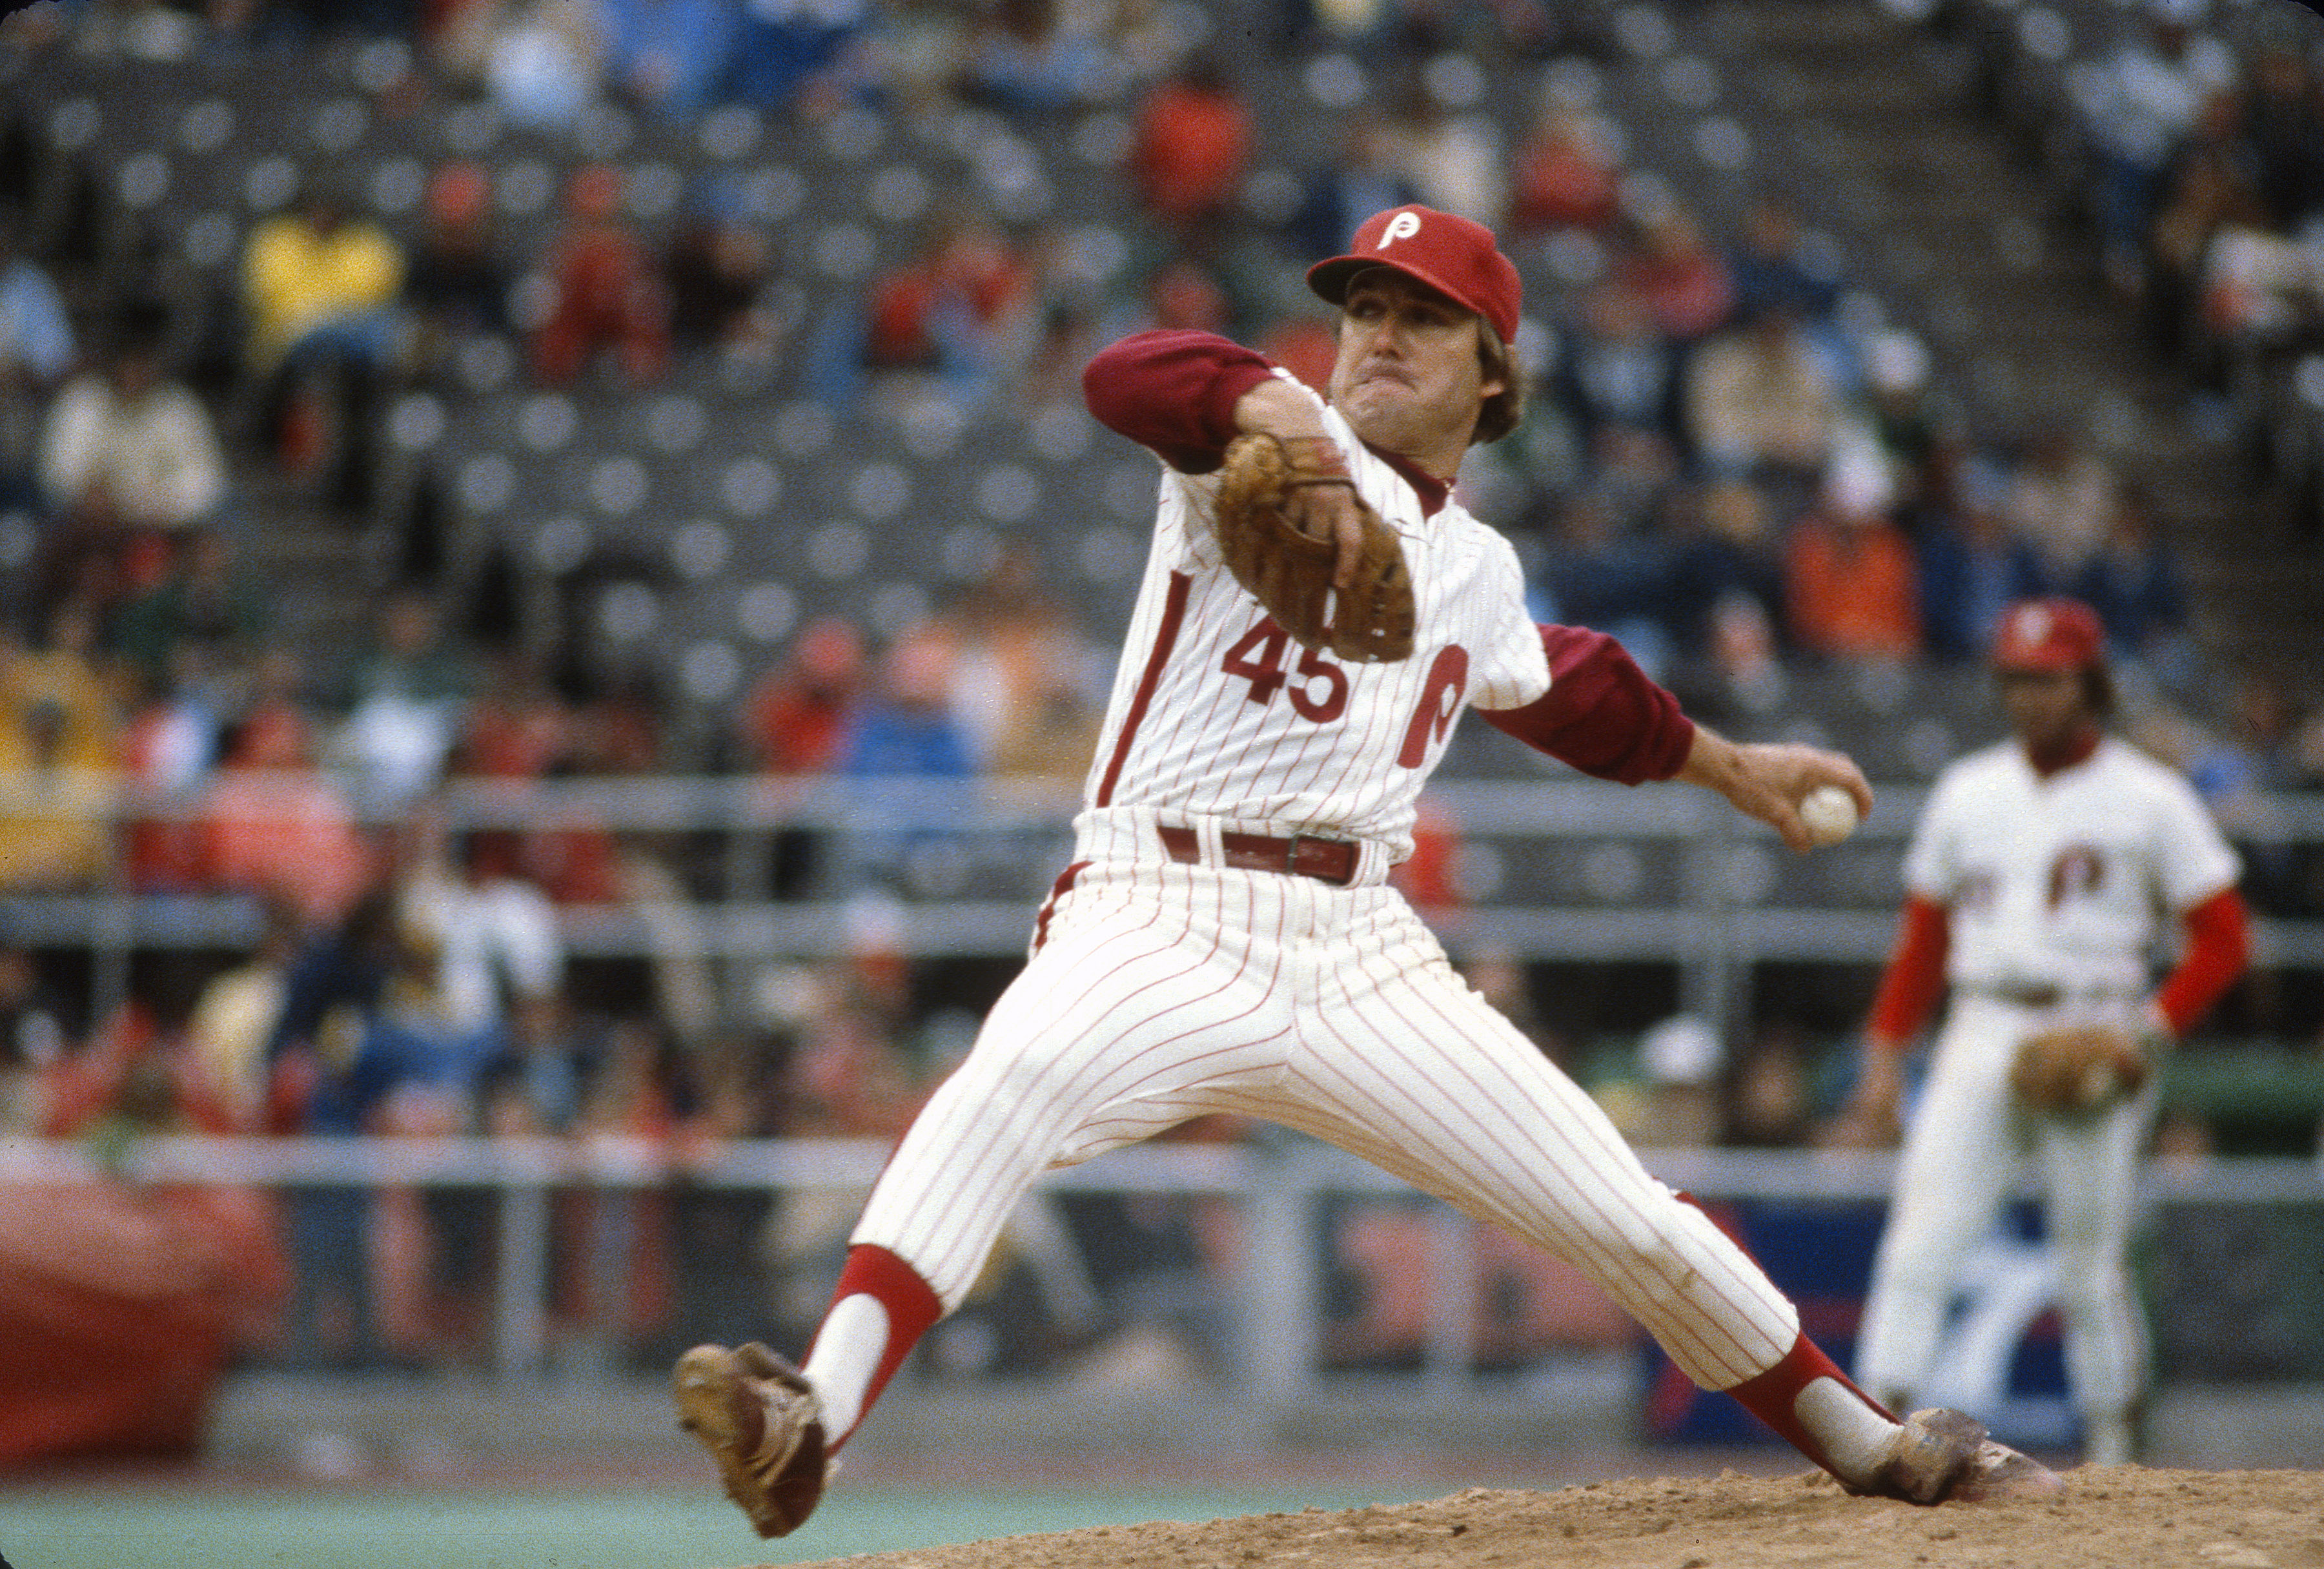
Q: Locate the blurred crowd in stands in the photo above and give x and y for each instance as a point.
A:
(2193, 143)
(1733, 460)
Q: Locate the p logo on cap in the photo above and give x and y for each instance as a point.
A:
(1402, 226)
(2052, 634)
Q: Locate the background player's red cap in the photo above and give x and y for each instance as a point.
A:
(1450, 255)
(2049, 634)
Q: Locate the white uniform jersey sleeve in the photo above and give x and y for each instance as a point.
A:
(1512, 670)
(2193, 858)
(1216, 712)
(1932, 859)
(2068, 880)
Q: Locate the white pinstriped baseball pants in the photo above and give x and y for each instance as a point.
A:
(1164, 992)
(1959, 1160)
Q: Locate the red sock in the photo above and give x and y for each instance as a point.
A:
(912, 1308)
(1772, 1396)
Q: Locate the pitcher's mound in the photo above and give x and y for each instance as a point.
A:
(2110, 1517)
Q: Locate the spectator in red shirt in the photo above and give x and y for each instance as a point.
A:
(1683, 282)
(519, 729)
(1850, 580)
(609, 290)
(965, 286)
(959, 309)
(797, 717)
(273, 825)
(1566, 177)
(1194, 142)
(794, 722)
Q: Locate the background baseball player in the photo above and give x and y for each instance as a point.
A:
(2037, 878)
(1224, 939)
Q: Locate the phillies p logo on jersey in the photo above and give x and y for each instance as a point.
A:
(2078, 871)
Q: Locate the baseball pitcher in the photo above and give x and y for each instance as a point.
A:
(1317, 612)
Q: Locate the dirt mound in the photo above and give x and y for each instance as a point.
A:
(2110, 1518)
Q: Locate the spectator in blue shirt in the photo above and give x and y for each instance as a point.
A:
(2132, 582)
(1349, 189)
(36, 351)
(1775, 268)
(787, 47)
(35, 337)
(1969, 569)
(363, 1028)
(905, 733)
(671, 57)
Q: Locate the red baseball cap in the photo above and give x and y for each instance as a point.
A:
(1451, 255)
(2049, 634)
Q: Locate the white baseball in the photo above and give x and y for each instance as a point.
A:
(1829, 814)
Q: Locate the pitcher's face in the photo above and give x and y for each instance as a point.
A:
(1408, 378)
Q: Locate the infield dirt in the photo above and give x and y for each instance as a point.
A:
(2110, 1518)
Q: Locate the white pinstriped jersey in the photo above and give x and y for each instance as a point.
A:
(2062, 881)
(1217, 713)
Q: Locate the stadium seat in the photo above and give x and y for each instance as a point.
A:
(1007, 492)
(673, 423)
(548, 422)
(837, 550)
(766, 611)
(750, 487)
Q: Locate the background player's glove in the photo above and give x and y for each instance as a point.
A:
(2076, 1069)
(1290, 571)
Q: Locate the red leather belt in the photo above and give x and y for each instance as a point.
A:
(1332, 860)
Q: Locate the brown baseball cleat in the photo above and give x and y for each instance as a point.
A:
(1942, 1456)
(761, 1422)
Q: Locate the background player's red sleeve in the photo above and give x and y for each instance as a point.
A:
(1601, 714)
(1916, 974)
(1174, 392)
(2219, 945)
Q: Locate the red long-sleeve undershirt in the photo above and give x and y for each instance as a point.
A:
(1174, 392)
(2219, 945)
(1601, 715)
(1915, 975)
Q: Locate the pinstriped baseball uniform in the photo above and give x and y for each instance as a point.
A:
(1166, 983)
(2055, 887)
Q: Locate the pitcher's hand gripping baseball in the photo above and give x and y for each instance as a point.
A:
(1352, 597)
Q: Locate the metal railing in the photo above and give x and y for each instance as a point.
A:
(1278, 1300)
(1715, 935)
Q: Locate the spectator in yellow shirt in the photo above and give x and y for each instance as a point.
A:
(58, 778)
(319, 287)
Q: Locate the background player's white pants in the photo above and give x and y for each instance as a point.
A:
(1165, 992)
(1961, 1156)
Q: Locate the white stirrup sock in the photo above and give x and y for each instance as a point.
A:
(2110, 1439)
(847, 1352)
(1853, 1434)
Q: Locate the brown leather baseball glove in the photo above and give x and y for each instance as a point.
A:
(1289, 570)
(2074, 1070)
